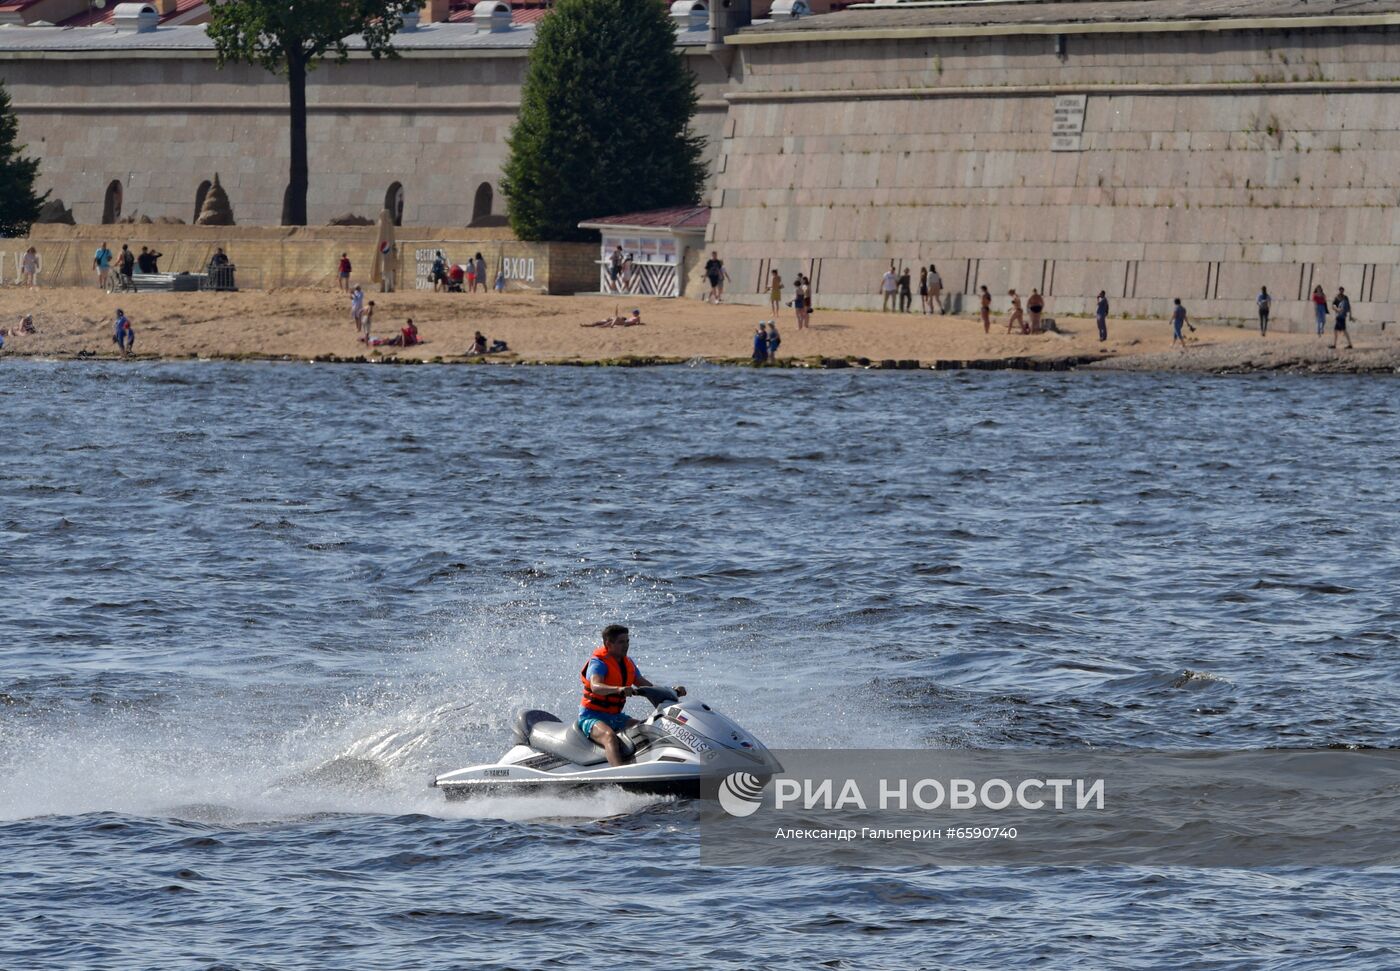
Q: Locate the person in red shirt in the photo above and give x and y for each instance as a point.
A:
(344, 272)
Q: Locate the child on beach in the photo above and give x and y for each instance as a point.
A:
(773, 341)
(29, 269)
(122, 333)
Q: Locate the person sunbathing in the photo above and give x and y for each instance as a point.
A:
(407, 337)
(618, 321)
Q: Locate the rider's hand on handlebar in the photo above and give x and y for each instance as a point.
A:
(628, 691)
(679, 690)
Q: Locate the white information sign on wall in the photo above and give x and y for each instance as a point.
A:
(1067, 133)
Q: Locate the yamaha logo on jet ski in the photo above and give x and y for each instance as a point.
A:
(665, 756)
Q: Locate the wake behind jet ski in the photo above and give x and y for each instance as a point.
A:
(668, 753)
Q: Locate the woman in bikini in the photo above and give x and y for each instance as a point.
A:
(986, 310)
(1017, 318)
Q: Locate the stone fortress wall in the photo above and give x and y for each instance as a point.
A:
(1207, 164)
(162, 122)
(1195, 159)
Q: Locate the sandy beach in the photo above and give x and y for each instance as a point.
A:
(308, 324)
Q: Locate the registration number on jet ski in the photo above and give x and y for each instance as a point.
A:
(685, 735)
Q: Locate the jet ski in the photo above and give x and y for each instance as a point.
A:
(670, 752)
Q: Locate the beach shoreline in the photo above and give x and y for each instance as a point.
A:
(314, 324)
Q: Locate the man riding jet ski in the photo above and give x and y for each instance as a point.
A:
(667, 753)
(609, 679)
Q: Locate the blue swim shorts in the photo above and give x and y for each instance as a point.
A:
(587, 719)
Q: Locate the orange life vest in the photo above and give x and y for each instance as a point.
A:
(618, 676)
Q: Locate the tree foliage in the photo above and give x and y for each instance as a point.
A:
(291, 39)
(19, 206)
(604, 120)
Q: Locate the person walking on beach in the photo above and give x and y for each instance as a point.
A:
(775, 292)
(366, 321)
(102, 263)
(924, 307)
(29, 269)
(1035, 304)
(126, 262)
(438, 273)
(889, 283)
(760, 345)
(1178, 321)
(343, 273)
(800, 293)
(122, 334)
(615, 267)
(357, 305)
(1319, 300)
(1017, 318)
(906, 294)
(986, 300)
(717, 275)
(1341, 303)
(1265, 303)
(1101, 316)
(935, 289)
(774, 339)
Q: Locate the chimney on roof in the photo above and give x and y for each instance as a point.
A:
(436, 11)
(727, 16)
(135, 18)
(688, 15)
(164, 7)
(492, 16)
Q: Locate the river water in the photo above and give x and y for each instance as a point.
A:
(250, 610)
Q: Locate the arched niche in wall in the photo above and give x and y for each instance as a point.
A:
(112, 203)
(199, 195)
(481, 205)
(393, 201)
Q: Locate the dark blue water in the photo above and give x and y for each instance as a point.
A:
(249, 611)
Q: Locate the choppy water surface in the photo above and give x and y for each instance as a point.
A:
(248, 611)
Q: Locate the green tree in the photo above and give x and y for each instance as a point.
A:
(291, 39)
(604, 120)
(19, 206)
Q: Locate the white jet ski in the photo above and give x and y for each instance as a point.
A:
(671, 751)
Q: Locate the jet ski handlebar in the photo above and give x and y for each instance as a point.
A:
(657, 695)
